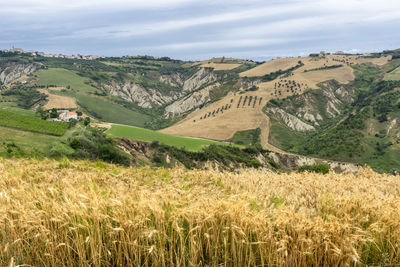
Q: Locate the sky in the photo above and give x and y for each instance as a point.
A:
(195, 29)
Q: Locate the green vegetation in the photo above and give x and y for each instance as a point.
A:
(94, 144)
(227, 156)
(325, 68)
(318, 168)
(141, 134)
(284, 137)
(20, 111)
(17, 143)
(111, 112)
(394, 75)
(24, 96)
(365, 132)
(64, 77)
(246, 137)
(273, 75)
(22, 122)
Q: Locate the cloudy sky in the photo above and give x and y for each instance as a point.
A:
(199, 29)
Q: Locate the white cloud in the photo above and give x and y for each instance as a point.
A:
(43, 6)
(232, 43)
(195, 26)
(136, 29)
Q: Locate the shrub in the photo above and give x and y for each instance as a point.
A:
(318, 168)
(94, 144)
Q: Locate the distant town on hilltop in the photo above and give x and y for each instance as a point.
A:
(42, 54)
(93, 57)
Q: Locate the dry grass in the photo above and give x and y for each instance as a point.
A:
(221, 66)
(58, 101)
(311, 63)
(223, 126)
(271, 66)
(93, 214)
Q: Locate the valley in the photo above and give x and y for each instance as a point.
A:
(290, 100)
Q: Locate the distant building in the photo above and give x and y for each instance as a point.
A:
(339, 53)
(68, 115)
(17, 50)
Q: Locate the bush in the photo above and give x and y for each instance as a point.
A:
(94, 144)
(318, 168)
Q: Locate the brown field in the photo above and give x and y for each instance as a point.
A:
(223, 126)
(312, 78)
(218, 60)
(58, 101)
(221, 66)
(271, 66)
(66, 213)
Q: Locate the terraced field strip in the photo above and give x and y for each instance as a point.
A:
(146, 135)
(22, 122)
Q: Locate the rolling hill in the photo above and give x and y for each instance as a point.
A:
(212, 99)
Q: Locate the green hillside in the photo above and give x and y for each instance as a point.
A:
(28, 123)
(364, 129)
(64, 77)
(111, 112)
(394, 75)
(141, 134)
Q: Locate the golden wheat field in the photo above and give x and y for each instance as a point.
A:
(66, 213)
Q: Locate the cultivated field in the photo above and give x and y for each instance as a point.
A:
(94, 214)
(394, 75)
(28, 123)
(63, 77)
(310, 63)
(239, 115)
(271, 66)
(141, 134)
(223, 125)
(58, 101)
(221, 66)
(110, 112)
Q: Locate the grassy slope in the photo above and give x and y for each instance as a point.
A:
(146, 135)
(246, 137)
(63, 77)
(17, 143)
(79, 213)
(284, 137)
(25, 112)
(18, 121)
(99, 108)
(111, 112)
(394, 75)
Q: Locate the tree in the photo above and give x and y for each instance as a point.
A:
(86, 121)
(42, 113)
(79, 113)
(53, 113)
